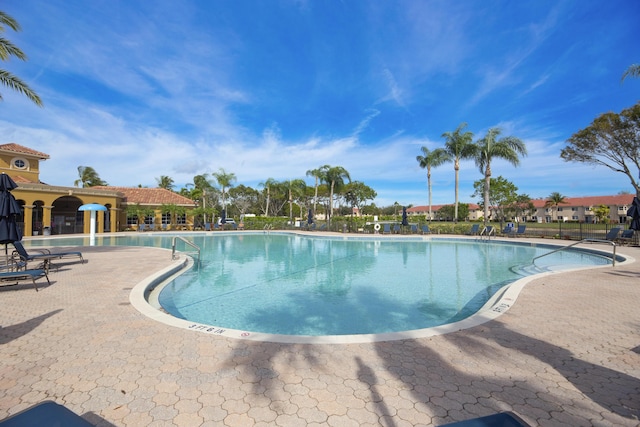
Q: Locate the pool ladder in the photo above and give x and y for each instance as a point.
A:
(187, 242)
(613, 259)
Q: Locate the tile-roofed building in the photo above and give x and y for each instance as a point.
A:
(475, 211)
(51, 209)
(150, 196)
(574, 209)
(21, 163)
(581, 209)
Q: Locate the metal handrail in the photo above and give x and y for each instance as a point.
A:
(187, 242)
(487, 233)
(577, 243)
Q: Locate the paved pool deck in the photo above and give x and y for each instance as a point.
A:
(567, 353)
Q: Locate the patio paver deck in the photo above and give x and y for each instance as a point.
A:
(567, 353)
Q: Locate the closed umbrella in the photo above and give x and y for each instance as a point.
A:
(310, 217)
(9, 210)
(634, 213)
(223, 217)
(405, 220)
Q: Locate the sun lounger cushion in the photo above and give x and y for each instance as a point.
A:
(47, 413)
(503, 419)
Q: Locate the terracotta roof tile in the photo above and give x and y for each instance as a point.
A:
(618, 199)
(150, 196)
(21, 179)
(15, 148)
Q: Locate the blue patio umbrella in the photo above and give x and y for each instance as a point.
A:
(310, 217)
(223, 217)
(634, 213)
(405, 220)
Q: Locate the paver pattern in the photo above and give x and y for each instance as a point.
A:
(566, 354)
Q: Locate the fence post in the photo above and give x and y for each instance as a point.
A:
(581, 238)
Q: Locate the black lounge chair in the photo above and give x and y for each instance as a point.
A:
(45, 256)
(626, 237)
(502, 419)
(475, 228)
(16, 276)
(612, 234)
(47, 413)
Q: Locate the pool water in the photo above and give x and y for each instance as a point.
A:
(297, 285)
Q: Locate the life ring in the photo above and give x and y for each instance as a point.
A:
(376, 227)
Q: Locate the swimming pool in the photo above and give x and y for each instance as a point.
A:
(300, 285)
(296, 285)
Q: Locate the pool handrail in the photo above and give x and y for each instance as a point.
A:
(187, 242)
(613, 259)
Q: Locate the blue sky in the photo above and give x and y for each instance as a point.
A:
(137, 89)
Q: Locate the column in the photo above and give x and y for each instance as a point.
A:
(28, 220)
(46, 217)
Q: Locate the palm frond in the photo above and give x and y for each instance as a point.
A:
(13, 82)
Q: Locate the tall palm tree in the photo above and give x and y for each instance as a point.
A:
(8, 50)
(225, 180)
(317, 174)
(334, 177)
(489, 148)
(432, 159)
(632, 71)
(554, 200)
(459, 146)
(165, 182)
(270, 182)
(88, 177)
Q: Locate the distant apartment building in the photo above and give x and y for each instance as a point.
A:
(575, 209)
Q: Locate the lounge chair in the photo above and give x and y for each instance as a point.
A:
(16, 276)
(612, 234)
(323, 227)
(475, 228)
(502, 419)
(508, 230)
(45, 256)
(520, 231)
(47, 413)
(396, 229)
(207, 226)
(425, 229)
(626, 237)
(386, 229)
(414, 229)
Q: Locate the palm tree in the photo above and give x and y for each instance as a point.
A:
(488, 148)
(431, 159)
(165, 182)
(317, 174)
(554, 200)
(334, 177)
(632, 71)
(459, 146)
(8, 50)
(88, 177)
(270, 182)
(225, 180)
